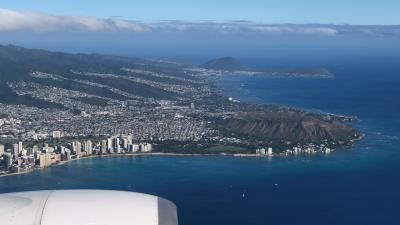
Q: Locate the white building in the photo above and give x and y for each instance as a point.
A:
(261, 151)
(20, 148)
(56, 134)
(135, 148)
(146, 147)
(110, 144)
(1, 149)
(88, 147)
(270, 151)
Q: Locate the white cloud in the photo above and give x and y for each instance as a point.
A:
(244, 27)
(295, 30)
(40, 22)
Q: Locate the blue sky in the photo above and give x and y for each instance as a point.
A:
(204, 28)
(372, 12)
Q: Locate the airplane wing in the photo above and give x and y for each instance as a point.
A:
(85, 207)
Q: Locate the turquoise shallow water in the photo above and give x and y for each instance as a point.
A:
(359, 185)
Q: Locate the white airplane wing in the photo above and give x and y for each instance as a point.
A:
(85, 207)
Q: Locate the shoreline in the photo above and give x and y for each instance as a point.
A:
(115, 155)
(238, 155)
(242, 155)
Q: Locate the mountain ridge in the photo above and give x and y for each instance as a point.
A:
(227, 63)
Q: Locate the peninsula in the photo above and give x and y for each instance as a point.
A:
(232, 66)
(51, 101)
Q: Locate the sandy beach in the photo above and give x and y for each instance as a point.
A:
(128, 154)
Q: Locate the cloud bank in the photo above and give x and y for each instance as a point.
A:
(242, 27)
(40, 22)
(11, 21)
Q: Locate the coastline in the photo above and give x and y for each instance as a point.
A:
(115, 155)
(239, 155)
(242, 136)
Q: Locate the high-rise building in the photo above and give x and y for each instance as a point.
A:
(42, 160)
(261, 151)
(88, 147)
(77, 147)
(135, 148)
(146, 147)
(68, 154)
(1, 149)
(103, 146)
(125, 143)
(45, 160)
(116, 144)
(15, 150)
(8, 160)
(110, 144)
(270, 151)
(149, 148)
(20, 148)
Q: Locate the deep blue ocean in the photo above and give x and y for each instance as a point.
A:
(359, 185)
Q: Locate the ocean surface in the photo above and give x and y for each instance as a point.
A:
(358, 185)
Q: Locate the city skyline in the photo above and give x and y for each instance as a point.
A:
(23, 158)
